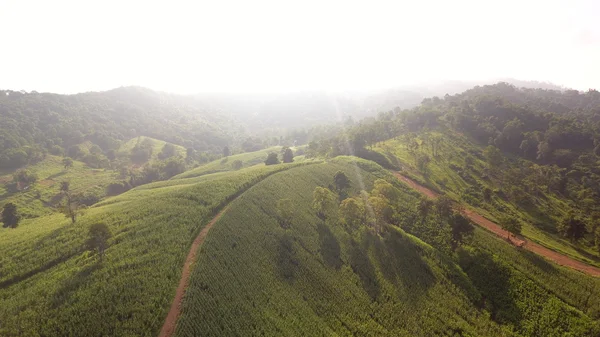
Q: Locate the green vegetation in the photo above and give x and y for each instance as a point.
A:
(305, 247)
(316, 276)
(10, 217)
(227, 164)
(43, 196)
(50, 284)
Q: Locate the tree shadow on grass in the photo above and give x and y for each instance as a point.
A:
(70, 285)
(361, 265)
(287, 263)
(401, 263)
(538, 261)
(492, 279)
(56, 175)
(330, 248)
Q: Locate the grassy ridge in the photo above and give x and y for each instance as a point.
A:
(221, 165)
(317, 279)
(157, 146)
(51, 287)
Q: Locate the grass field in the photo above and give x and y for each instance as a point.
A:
(225, 164)
(51, 286)
(157, 146)
(316, 278)
(42, 197)
(442, 177)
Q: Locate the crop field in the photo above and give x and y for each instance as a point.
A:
(442, 177)
(317, 278)
(43, 196)
(575, 288)
(51, 286)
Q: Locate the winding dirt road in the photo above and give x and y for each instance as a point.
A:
(171, 321)
(549, 254)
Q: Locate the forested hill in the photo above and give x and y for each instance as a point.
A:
(548, 126)
(33, 123)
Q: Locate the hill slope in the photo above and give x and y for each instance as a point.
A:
(315, 277)
(50, 284)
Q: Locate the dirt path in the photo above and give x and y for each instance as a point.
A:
(169, 326)
(517, 241)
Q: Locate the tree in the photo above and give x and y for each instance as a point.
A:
(173, 167)
(75, 151)
(95, 149)
(288, 155)
(386, 190)
(272, 159)
(572, 227)
(98, 236)
(190, 154)
(285, 211)
(237, 164)
(168, 151)
(10, 216)
(423, 161)
(226, 151)
(67, 163)
(341, 181)
(443, 206)
(424, 206)
(25, 177)
(511, 225)
(352, 212)
(462, 229)
(381, 210)
(493, 157)
(70, 207)
(324, 202)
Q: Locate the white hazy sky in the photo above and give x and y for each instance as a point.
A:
(186, 47)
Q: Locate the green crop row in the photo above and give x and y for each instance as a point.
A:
(51, 286)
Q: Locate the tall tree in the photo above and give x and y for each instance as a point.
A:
(98, 236)
(341, 181)
(572, 227)
(70, 206)
(10, 216)
(511, 225)
(67, 163)
(352, 212)
(272, 159)
(324, 202)
(462, 229)
(288, 155)
(226, 151)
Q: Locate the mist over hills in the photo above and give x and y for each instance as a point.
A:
(34, 122)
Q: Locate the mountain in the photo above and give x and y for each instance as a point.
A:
(472, 214)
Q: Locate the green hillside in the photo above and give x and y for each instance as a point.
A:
(246, 159)
(316, 277)
(51, 285)
(43, 196)
(156, 147)
(460, 171)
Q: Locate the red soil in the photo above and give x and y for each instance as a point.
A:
(497, 229)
